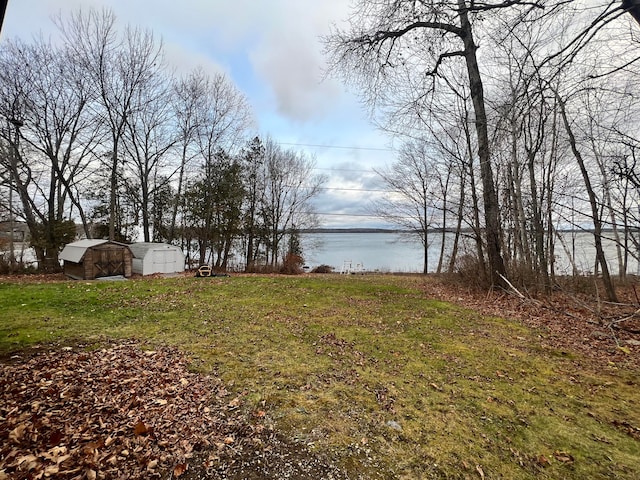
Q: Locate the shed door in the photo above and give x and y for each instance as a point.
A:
(109, 262)
(163, 261)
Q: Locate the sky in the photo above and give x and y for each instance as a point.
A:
(272, 51)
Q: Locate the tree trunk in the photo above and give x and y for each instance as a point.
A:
(456, 238)
(425, 247)
(474, 199)
(491, 208)
(597, 224)
(178, 196)
(146, 227)
(113, 191)
(445, 194)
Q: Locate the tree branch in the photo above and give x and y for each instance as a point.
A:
(484, 7)
(633, 8)
(383, 35)
(441, 57)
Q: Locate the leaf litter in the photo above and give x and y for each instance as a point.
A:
(579, 323)
(125, 412)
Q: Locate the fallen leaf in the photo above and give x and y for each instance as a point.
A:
(543, 461)
(55, 438)
(563, 457)
(179, 469)
(480, 471)
(17, 433)
(51, 470)
(101, 430)
(140, 428)
(30, 460)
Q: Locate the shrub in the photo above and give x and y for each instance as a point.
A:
(292, 264)
(323, 269)
(470, 271)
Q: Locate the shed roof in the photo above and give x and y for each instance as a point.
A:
(73, 252)
(140, 249)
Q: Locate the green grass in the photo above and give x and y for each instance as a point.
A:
(333, 360)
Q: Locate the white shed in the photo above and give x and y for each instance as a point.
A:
(149, 258)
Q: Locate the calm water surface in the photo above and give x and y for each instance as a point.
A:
(392, 252)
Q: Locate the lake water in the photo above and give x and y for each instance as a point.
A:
(392, 252)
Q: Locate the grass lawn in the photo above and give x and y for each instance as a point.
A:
(367, 369)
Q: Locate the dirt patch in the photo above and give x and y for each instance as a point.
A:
(127, 412)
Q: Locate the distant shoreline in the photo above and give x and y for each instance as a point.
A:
(351, 230)
(431, 230)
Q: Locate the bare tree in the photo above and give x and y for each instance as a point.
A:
(411, 201)
(593, 202)
(148, 138)
(56, 126)
(289, 186)
(222, 118)
(188, 94)
(120, 67)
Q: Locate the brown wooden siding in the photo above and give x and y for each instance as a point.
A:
(104, 260)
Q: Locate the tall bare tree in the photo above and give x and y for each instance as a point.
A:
(289, 185)
(148, 138)
(188, 94)
(412, 201)
(121, 67)
(56, 126)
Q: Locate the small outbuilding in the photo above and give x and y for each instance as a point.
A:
(91, 259)
(150, 258)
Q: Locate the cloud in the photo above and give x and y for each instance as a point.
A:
(183, 60)
(289, 57)
(280, 39)
(292, 67)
